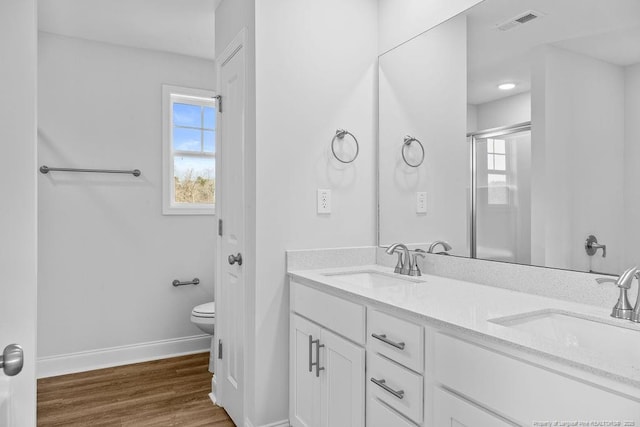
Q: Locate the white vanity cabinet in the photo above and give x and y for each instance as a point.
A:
(520, 391)
(451, 410)
(327, 370)
(422, 374)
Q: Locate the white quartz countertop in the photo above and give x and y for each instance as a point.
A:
(468, 308)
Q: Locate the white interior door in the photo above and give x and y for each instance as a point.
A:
(230, 200)
(18, 254)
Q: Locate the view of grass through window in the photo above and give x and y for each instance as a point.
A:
(194, 152)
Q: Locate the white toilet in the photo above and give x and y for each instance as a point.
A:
(204, 317)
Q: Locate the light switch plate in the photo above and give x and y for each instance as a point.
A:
(324, 201)
(421, 202)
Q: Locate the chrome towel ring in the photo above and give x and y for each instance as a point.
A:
(340, 134)
(407, 142)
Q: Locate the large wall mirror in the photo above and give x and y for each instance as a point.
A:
(512, 132)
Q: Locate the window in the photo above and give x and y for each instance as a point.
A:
(189, 156)
(498, 191)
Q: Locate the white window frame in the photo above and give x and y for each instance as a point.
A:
(170, 95)
(501, 172)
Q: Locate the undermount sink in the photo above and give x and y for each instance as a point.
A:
(621, 342)
(371, 279)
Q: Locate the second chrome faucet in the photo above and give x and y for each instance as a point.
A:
(623, 309)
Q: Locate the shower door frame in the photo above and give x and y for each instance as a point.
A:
(473, 139)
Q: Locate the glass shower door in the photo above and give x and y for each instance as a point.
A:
(502, 196)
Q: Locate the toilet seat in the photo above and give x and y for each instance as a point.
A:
(207, 310)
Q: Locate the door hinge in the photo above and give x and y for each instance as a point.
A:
(218, 98)
(219, 349)
(219, 227)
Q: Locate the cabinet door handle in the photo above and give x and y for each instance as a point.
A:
(384, 339)
(310, 353)
(382, 384)
(317, 362)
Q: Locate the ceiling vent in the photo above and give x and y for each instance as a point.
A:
(519, 20)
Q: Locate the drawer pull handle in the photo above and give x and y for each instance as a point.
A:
(382, 384)
(384, 339)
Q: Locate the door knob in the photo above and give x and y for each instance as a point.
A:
(235, 258)
(12, 360)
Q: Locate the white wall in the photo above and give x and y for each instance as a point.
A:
(107, 254)
(583, 139)
(631, 166)
(316, 72)
(400, 21)
(507, 111)
(18, 188)
(429, 105)
(472, 118)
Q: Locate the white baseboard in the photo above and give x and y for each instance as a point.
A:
(212, 395)
(115, 356)
(214, 399)
(283, 423)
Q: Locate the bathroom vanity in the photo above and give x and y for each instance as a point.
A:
(375, 348)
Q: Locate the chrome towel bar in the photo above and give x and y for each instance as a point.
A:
(179, 283)
(46, 169)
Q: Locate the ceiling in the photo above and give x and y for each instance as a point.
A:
(178, 26)
(606, 30)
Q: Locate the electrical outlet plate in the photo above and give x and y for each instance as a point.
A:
(421, 202)
(324, 201)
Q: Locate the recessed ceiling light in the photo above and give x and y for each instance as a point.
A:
(506, 86)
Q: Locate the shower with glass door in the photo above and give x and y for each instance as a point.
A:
(501, 194)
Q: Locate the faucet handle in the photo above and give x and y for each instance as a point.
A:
(400, 262)
(591, 245)
(415, 268)
(602, 280)
(622, 309)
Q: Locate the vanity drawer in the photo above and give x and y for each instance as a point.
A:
(380, 415)
(521, 391)
(396, 339)
(341, 316)
(398, 379)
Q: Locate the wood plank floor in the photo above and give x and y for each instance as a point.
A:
(168, 392)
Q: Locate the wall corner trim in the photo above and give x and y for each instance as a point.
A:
(123, 355)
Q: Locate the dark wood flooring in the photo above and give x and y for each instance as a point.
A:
(168, 392)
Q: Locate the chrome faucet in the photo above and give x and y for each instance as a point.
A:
(403, 266)
(623, 309)
(446, 246)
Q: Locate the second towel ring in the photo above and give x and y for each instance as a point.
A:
(340, 133)
(407, 142)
